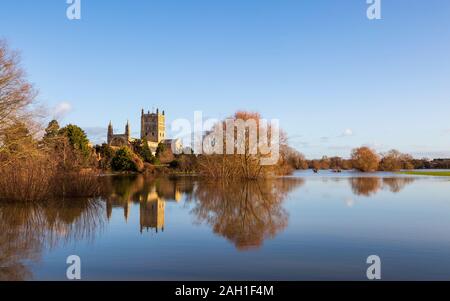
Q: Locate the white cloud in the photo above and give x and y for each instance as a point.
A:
(62, 109)
(347, 133)
(97, 135)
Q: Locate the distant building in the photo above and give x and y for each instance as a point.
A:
(153, 130)
(153, 126)
(119, 139)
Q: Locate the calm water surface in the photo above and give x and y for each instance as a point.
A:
(304, 227)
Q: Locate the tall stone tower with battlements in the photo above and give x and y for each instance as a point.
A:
(153, 126)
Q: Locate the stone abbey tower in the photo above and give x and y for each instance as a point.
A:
(153, 126)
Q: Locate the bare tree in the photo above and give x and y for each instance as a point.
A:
(16, 98)
(395, 161)
(245, 160)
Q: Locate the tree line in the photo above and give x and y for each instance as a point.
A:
(365, 159)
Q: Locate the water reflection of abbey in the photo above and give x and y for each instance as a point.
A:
(245, 212)
(151, 196)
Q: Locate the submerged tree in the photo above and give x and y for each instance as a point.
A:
(395, 161)
(365, 159)
(244, 146)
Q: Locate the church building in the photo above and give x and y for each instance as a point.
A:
(153, 130)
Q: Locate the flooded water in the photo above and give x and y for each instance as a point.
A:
(304, 227)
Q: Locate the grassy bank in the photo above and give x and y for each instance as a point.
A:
(427, 173)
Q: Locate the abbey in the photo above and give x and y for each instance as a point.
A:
(153, 130)
(119, 139)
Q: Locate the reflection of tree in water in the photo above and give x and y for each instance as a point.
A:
(246, 213)
(397, 184)
(27, 229)
(371, 185)
(365, 186)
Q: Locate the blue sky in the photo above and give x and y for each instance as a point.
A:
(335, 79)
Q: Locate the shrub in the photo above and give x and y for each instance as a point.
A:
(39, 179)
(174, 164)
(146, 153)
(26, 180)
(106, 154)
(365, 159)
(124, 160)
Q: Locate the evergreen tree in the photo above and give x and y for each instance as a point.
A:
(146, 153)
(77, 139)
(106, 153)
(52, 130)
(123, 160)
(160, 149)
